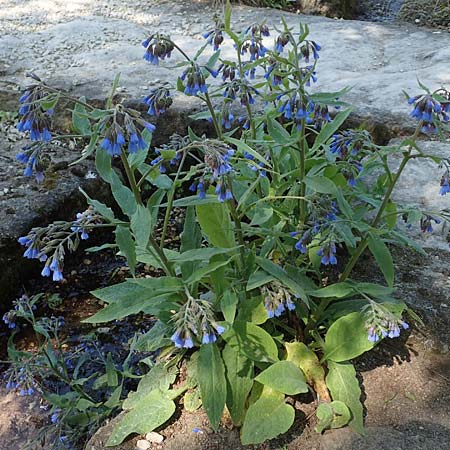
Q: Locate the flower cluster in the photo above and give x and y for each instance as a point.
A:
(31, 156)
(122, 126)
(48, 244)
(158, 101)
(22, 382)
(256, 166)
(297, 108)
(445, 184)
(282, 40)
(22, 308)
(321, 226)
(381, 322)
(174, 147)
(194, 80)
(36, 110)
(195, 323)
(430, 111)
(276, 299)
(425, 223)
(310, 48)
(215, 36)
(157, 47)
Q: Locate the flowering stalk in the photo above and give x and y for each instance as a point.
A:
(364, 242)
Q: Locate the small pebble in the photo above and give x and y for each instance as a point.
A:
(153, 436)
(143, 444)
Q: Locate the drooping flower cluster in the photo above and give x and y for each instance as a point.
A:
(325, 213)
(23, 307)
(158, 101)
(430, 110)
(381, 322)
(31, 156)
(426, 223)
(175, 148)
(124, 125)
(48, 244)
(194, 80)
(257, 166)
(195, 323)
(157, 46)
(445, 184)
(36, 110)
(277, 299)
(215, 36)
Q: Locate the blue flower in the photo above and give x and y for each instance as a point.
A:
(223, 192)
(136, 143)
(158, 101)
(156, 48)
(373, 336)
(182, 340)
(328, 254)
(445, 185)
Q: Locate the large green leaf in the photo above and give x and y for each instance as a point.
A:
(320, 184)
(276, 271)
(212, 383)
(265, 419)
(239, 375)
(206, 270)
(80, 120)
(126, 246)
(252, 341)
(285, 377)
(228, 305)
(330, 128)
(191, 239)
(344, 386)
(151, 411)
(154, 339)
(141, 225)
(215, 222)
(347, 338)
(383, 258)
(332, 415)
(157, 378)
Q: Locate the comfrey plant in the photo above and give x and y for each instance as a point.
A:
(256, 302)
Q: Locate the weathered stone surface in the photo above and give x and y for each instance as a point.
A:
(419, 187)
(25, 204)
(80, 49)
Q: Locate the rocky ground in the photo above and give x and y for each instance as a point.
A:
(81, 44)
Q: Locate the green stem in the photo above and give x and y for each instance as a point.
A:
(302, 201)
(239, 233)
(170, 202)
(217, 127)
(363, 244)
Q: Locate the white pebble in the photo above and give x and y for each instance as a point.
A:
(153, 436)
(143, 444)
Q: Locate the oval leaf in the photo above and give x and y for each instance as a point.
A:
(285, 377)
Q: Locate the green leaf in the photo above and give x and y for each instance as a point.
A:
(285, 377)
(111, 373)
(243, 147)
(332, 415)
(141, 225)
(80, 120)
(252, 341)
(191, 239)
(201, 254)
(212, 383)
(337, 290)
(192, 400)
(347, 338)
(330, 128)
(262, 215)
(320, 184)
(150, 412)
(158, 378)
(194, 200)
(239, 376)
(126, 245)
(391, 214)
(277, 132)
(344, 386)
(154, 339)
(228, 305)
(266, 419)
(206, 270)
(257, 279)
(215, 222)
(383, 258)
(275, 270)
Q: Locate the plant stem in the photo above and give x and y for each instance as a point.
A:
(170, 201)
(363, 244)
(302, 202)
(217, 127)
